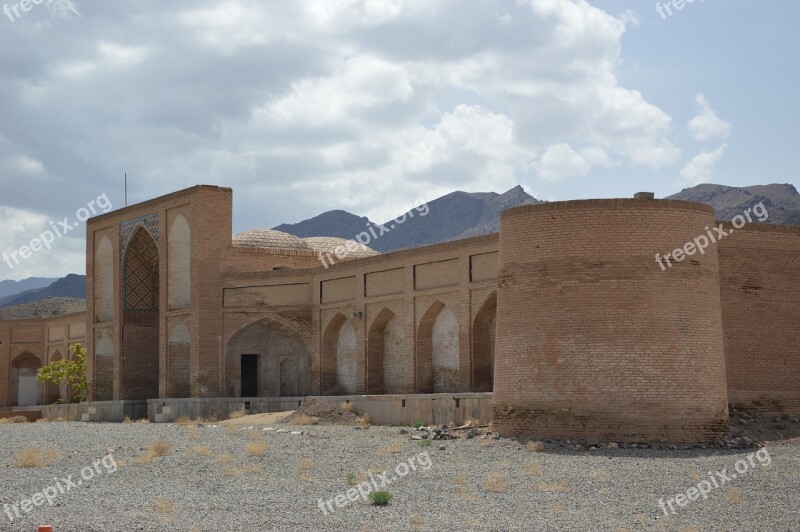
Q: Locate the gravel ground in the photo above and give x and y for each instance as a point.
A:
(208, 481)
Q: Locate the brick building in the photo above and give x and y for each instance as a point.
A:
(564, 315)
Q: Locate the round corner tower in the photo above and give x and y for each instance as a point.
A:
(595, 338)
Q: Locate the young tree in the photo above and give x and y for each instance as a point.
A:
(69, 375)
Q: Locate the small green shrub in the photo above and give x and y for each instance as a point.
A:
(352, 479)
(380, 498)
(425, 443)
(416, 424)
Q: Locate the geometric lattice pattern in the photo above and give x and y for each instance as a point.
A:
(127, 228)
(140, 272)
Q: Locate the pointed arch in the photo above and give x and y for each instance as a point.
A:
(179, 264)
(483, 341)
(279, 358)
(104, 281)
(25, 389)
(340, 366)
(438, 351)
(386, 349)
(139, 364)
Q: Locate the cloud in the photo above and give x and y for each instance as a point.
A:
(304, 106)
(706, 125)
(700, 168)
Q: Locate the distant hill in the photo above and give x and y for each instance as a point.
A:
(55, 306)
(453, 216)
(12, 288)
(71, 286)
(782, 201)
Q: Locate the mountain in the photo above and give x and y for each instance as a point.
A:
(782, 201)
(456, 215)
(71, 286)
(340, 224)
(54, 306)
(10, 288)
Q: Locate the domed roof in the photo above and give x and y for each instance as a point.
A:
(328, 244)
(268, 238)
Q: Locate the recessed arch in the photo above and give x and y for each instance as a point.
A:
(340, 365)
(483, 341)
(386, 349)
(179, 263)
(139, 363)
(272, 344)
(178, 350)
(104, 281)
(104, 367)
(438, 351)
(25, 389)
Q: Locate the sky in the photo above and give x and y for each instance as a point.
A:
(373, 106)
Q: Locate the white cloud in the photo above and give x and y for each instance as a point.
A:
(700, 168)
(706, 125)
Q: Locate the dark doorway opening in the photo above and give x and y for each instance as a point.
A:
(249, 375)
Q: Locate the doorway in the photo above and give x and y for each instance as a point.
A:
(249, 375)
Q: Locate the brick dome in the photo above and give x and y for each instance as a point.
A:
(328, 244)
(268, 238)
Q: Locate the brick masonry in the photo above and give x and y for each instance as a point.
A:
(565, 315)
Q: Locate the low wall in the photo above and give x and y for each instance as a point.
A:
(107, 411)
(398, 409)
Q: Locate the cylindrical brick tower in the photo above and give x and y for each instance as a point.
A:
(595, 338)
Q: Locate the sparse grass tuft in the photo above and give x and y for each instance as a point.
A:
(163, 505)
(305, 464)
(256, 448)
(416, 423)
(380, 498)
(306, 420)
(352, 479)
(347, 406)
(14, 419)
(201, 451)
(236, 415)
(127, 420)
(535, 446)
(495, 482)
(183, 420)
(31, 458)
(153, 451)
(553, 487)
(363, 420)
(424, 443)
(143, 421)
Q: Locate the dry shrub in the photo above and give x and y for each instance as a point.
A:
(236, 415)
(256, 448)
(183, 420)
(535, 446)
(163, 505)
(306, 420)
(460, 480)
(415, 521)
(153, 451)
(347, 406)
(735, 496)
(127, 420)
(30, 458)
(559, 508)
(224, 459)
(485, 442)
(465, 495)
(305, 464)
(143, 421)
(191, 432)
(233, 471)
(495, 482)
(694, 474)
(210, 419)
(553, 487)
(201, 451)
(14, 419)
(532, 469)
(363, 420)
(392, 448)
(599, 475)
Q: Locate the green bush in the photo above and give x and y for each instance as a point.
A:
(380, 498)
(425, 443)
(416, 424)
(68, 374)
